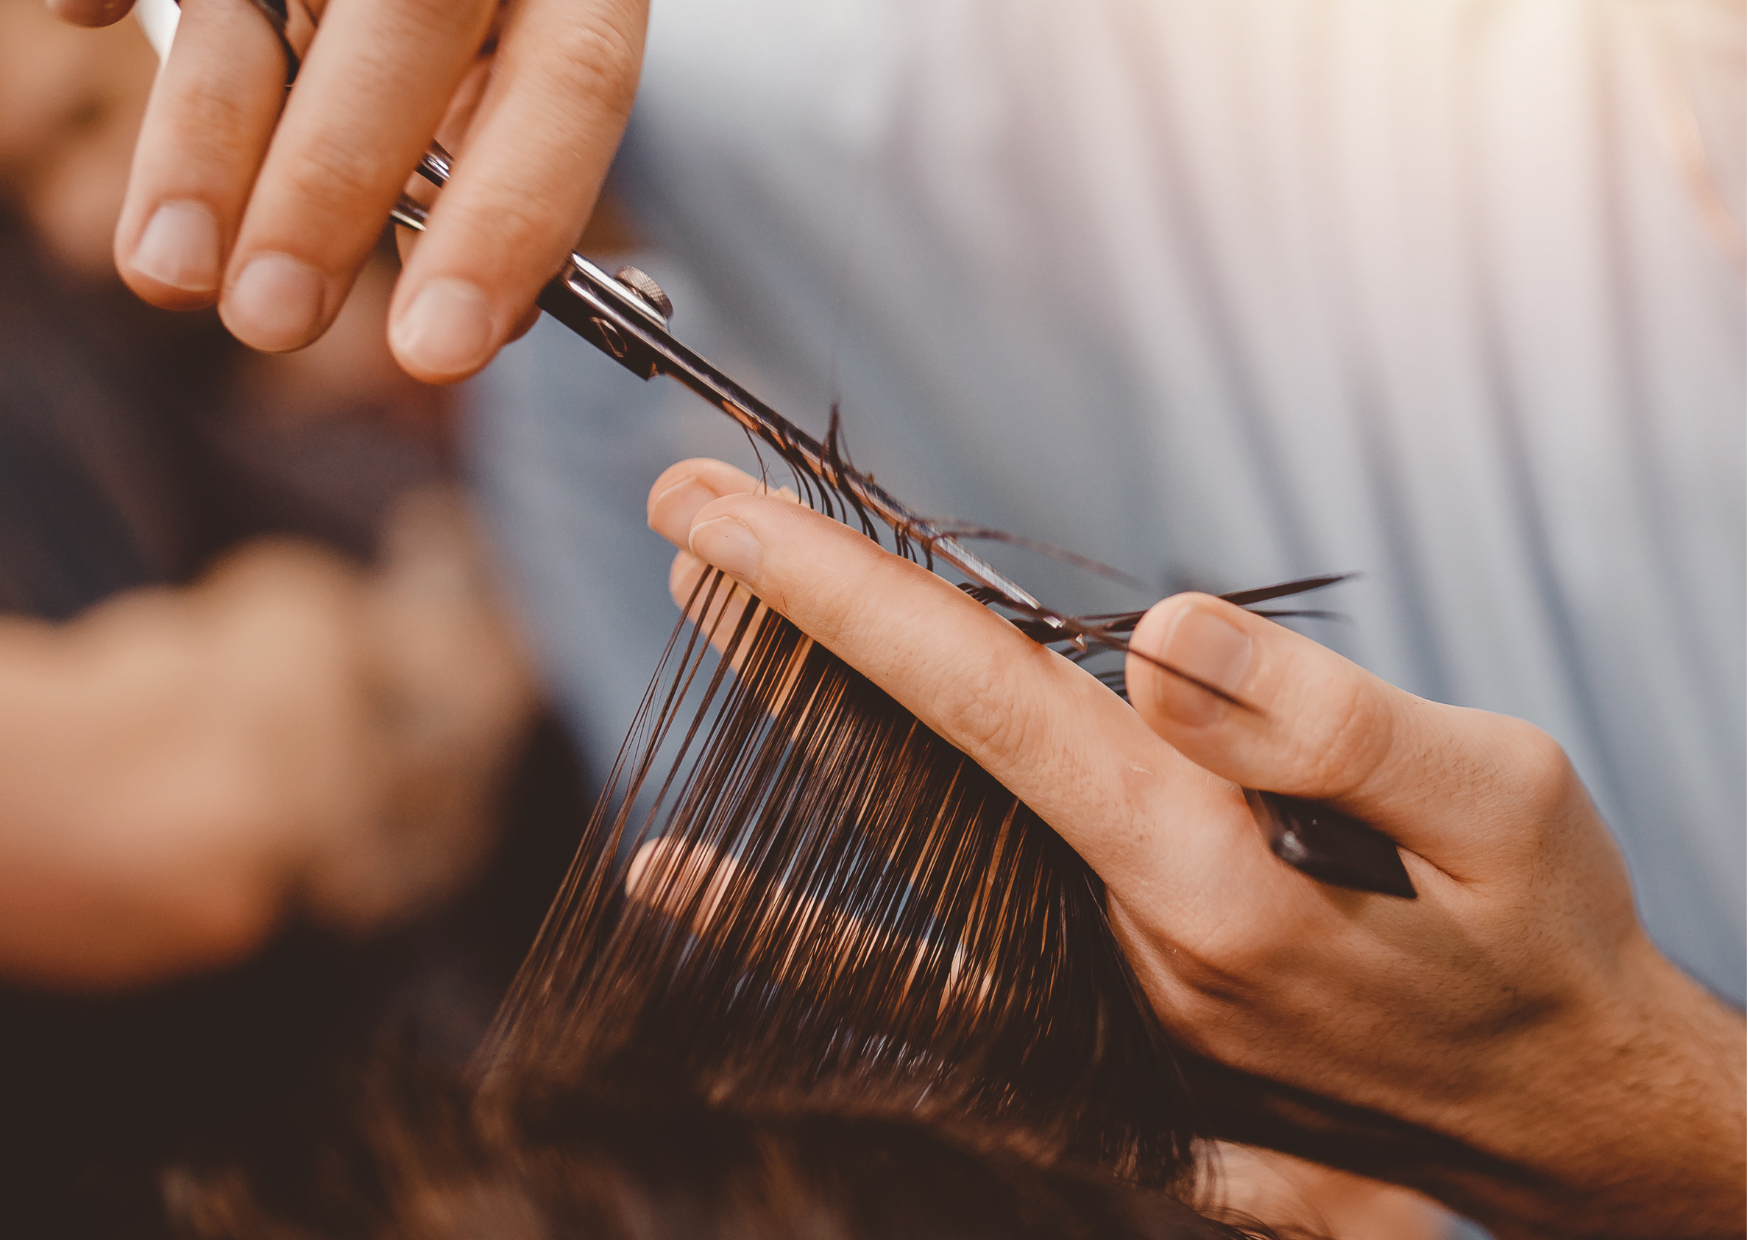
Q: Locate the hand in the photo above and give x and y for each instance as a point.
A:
(70, 107)
(269, 203)
(1528, 1055)
(180, 769)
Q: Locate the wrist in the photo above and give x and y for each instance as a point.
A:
(1619, 1116)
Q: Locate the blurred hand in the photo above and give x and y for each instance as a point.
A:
(181, 769)
(1514, 1019)
(70, 107)
(269, 203)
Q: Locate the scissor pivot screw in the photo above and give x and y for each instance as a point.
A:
(647, 289)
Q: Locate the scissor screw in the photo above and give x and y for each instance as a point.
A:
(646, 288)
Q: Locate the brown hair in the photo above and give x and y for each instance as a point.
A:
(812, 973)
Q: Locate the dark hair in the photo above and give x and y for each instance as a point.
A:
(627, 1165)
(813, 973)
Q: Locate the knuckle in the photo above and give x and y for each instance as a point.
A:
(590, 58)
(989, 727)
(516, 225)
(1540, 775)
(1354, 734)
(828, 614)
(440, 16)
(1230, 963)
(208, 126)
(507, 240)
(331, 186)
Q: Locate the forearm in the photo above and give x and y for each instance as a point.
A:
(109, 874)
(181, 770)
(169, 761)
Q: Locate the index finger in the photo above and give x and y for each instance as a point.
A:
(1154, 826)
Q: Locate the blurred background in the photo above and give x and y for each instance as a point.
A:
(1447, 293)
(277, 781)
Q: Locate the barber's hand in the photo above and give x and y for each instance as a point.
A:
(273, 214)
(182, 769)
(1510, 1042)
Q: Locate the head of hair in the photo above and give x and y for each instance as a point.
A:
(812, 973)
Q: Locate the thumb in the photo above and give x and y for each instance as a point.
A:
(1441, 781)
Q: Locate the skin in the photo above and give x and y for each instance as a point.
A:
(70, 105)
(305, 179)
(292, 736)
(181, 770)
(1516, 1008)
(1515, 1016)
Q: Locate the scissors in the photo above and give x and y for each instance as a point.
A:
(626, 314)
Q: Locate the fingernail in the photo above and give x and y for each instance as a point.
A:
(671, 512)
(180, 247)
(1216, 652)
(275, 303)
(447, 330)
(731, 546)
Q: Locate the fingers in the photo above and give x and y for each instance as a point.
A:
(525, 181)
(679, 493)
(1437, 779)
(275, 223)
(1150, 822)
(1463, 789)
(206, 129)
(686, 487)
(353, 129)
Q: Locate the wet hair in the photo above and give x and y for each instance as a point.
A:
(812, 973)
(615, 1166)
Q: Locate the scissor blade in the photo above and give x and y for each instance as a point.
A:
(614, 319)
(593, 304)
